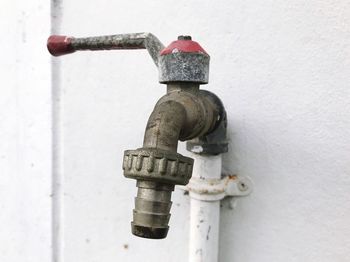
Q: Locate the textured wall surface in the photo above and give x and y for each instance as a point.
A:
(282, 69)
(25, 132)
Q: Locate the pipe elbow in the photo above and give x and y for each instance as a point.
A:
(179, 115)
(164, 126)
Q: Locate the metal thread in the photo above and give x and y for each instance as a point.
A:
(152, 206)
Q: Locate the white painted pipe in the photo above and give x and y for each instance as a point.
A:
(205, 215)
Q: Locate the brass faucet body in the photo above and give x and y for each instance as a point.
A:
(185, 112)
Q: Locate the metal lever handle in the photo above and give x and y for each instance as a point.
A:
(61, 45)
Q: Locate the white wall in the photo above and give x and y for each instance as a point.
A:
(25, 132)
(282, 70)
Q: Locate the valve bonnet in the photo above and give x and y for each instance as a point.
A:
(184, 60)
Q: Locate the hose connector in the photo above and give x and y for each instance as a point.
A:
(156, 172)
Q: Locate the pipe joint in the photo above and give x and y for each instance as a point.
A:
(209, 190)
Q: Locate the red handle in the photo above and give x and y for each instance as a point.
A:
(59, 45)
(62, 45)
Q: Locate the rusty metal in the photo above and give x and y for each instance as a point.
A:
(218, 189)
(61, 45)
(154, 164)
(214, 142)
(184, 113)
(183, 60)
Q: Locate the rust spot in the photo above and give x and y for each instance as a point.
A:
(230, 177)
(233, 177)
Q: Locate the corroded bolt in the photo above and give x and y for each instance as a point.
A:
(184, 37)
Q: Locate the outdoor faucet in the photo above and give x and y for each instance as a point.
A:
(184, 113)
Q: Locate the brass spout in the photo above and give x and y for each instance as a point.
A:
(182, 114)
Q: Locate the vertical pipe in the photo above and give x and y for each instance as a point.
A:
(205, 215)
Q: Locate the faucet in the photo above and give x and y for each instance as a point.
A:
(184, 113)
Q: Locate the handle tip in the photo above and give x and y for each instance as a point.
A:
(59, 45)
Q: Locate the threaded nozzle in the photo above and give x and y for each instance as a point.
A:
(152, 206)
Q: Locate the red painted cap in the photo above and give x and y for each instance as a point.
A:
(184, 44)
(59, 45)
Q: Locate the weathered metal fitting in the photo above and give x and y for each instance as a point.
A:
(215, 141)
(218, 189)
(183, 60)
(184, 113)
(152, 164)
(156, 172)
(62, 45)
(152, 210)
(184, 67)
(200, 114)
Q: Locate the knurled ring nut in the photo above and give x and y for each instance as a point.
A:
(157, 165)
